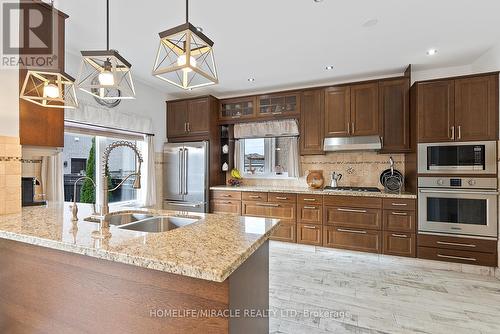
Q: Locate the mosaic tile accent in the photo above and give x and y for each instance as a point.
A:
(10, 175)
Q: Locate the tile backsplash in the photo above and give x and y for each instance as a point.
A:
(361, 168)
(10, 175)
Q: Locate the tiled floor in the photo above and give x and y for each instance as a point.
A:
(319, 290)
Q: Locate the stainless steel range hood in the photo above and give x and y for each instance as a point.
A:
(365, 143)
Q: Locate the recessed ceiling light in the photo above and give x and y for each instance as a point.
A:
(329, 67)
(431, 52)
(318, 0)
(251, 79)
(200, 29)
(370, 23)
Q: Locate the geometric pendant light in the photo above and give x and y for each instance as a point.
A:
(106, 74)
(49, 88)
(185, 57)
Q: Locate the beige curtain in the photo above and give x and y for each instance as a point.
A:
(294, 158)
(148, 193)
(237, 152)
(52, 178)
(284, 128)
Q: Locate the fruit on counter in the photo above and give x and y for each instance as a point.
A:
(236, 174)
(235, 182)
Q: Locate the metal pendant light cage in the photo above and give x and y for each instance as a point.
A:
(94, 64)
(185, 58)
(37, 84)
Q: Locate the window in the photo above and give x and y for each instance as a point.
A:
(80, 157)
(266, 157)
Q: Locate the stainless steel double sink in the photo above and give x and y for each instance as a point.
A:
(144, 222)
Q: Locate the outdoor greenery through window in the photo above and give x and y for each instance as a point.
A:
(80, 159)
(265, 157)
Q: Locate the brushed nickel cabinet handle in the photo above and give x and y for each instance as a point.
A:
(310, 207)
(399, 204)
(282, 198)
(351, 231)
(459, 132)
(353, 131)
(399, 213)
(188, 127)
(455, 244)
(309, 200)
(348, 128)
(457, 258)
(225, 195)
(270, 205)
(399, 235)
(352, 210)
(254, 196)
(309, 227)
(227, 202)
(452, 133)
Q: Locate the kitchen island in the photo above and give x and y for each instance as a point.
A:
(56, 276)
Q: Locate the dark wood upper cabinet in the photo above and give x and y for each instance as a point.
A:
(177, 119)
(198, 117)
(312, 115)
(458, 109)
(435, 109)
(233, 110)
(337, 111)
(394, 107)
(38, 125)
(189, 118)
(476, 108)
(279, 104)
(364, 109)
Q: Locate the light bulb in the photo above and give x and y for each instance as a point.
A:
(51, 91)
(106, 78)
(182, 61)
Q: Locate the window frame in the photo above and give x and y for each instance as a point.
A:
(269, 160)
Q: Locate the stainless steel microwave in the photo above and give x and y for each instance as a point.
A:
(457, 158)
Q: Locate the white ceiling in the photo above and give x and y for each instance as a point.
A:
(288, 43)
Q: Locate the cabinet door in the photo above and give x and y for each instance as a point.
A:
(394, 107)
(364, 110)
(435, 110)
(403, 221)
(222, 206)
(476, 108)
(310, 213)
(400, 244)
(354, 217)
(198, 117)
(232, 110)
(311, 117)
(352, 239)
(279, 104)
(284, 232)
(176, 119)
(309, 234)
(337, 111)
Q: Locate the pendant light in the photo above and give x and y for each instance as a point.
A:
(185, 57)
(106, 74)
(49, 88)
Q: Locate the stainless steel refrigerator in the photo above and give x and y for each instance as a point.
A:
(185, 176)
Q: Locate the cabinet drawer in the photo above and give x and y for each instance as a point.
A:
(399, 204)
(221, 194)
(283, 211)
(460, 256)
(403, 221)
(466, 244)
(310, 199)
(400, 244)
(309, 234)
(354, 217)
(254, 196)
(284, 232)
(224, 206)
(310, 213)
(353, 239)
(277, 197)
(352, 201)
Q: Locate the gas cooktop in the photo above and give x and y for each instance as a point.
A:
(361, 189)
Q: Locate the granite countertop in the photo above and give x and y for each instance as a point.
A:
(211, 249)
(304, 190)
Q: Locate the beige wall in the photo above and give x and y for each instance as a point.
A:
(10, 175)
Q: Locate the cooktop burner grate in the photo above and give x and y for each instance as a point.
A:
(361, 189)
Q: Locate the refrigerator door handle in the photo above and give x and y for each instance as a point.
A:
(180, 171)
(186, 154)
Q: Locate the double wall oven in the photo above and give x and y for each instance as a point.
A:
(457, 189)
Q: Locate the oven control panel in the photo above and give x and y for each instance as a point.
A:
(457, 182)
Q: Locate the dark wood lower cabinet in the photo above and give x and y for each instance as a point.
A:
(459, 256)
(223, 206)
(352, 239)
(400, 244)
(402, 221)
(354, 217)
(285, 232)
(309, 234)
